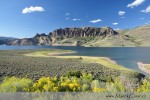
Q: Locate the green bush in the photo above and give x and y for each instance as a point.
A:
(77, 74)
(14, 84)
(116, 86)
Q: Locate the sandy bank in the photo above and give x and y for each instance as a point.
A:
(60, 53)
(144, 67)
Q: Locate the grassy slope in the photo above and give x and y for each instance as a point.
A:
(140, 35)
(111, 41)
(108, 41)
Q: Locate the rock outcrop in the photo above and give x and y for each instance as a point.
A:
(60, 34)
(83, 32)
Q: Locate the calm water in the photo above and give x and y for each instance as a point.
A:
(127, 57)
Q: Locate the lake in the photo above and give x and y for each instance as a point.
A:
(125, 56)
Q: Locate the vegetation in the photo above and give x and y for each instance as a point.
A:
(40, 71)
(85, 82)
(14, 84)
(15, 63)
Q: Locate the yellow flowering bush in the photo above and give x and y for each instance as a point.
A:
(70, 84)
(14, 84)
(95, 89)
(145, 87)
(46, 84)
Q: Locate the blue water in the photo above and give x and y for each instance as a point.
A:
(125, 56)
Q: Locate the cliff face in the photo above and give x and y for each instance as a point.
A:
(57, 36)
(83, 32)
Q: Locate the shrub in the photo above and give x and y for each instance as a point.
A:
(85, 87)
(14, 84)
(106, 79)
(95, 89)
(70, 84)
(145, 87)
(74, 74)
(46, 84)
(117, 86)
(95, 83)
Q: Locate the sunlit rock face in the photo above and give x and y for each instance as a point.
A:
(60, 34)
(83, 32)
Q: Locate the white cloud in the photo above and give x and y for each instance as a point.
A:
(142, 18)
(146, 23)
(121, 13)
(32, 9)
(149, 21)
(67, 14)
(115, 23)
(122, 17)
(75, 19)
(95, 21)
(67, 18)
(117, 29)
(135, 3)
(147, 10)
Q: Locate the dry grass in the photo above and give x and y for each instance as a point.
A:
(48, 53)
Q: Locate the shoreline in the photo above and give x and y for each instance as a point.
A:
(60, 53)
(142, 67)
(105, 61)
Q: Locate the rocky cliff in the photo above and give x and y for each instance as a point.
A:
(83, 32)
(54, 38)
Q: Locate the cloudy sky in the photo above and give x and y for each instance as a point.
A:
(25, 18)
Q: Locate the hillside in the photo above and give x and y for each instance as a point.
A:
(140, 35)
(90, 36)
(6, 40)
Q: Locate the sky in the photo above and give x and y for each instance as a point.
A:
(25, 18)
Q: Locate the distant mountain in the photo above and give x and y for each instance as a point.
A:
(6, 40)
(90, 36)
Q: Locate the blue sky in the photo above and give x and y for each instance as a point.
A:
(25, 18)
